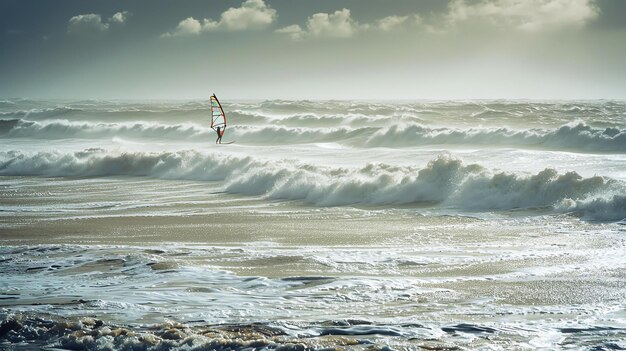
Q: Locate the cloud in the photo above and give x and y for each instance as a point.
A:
(253, 14)
(93, 23)
(188, 26)
(526, 15)
(391, 22)
(294, 31)
(90, 22)
(336, 25)
(339, 24)
(120, 17)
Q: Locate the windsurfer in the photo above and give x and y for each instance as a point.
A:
(219, 135)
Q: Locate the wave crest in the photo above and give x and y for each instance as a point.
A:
(571, 137)
(579, 137)
(445, 181)
(62, 129)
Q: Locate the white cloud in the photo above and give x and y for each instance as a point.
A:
(90, 22)
(339, 24)
(524, 15)
(93, 23)
(335, 25)
(391, 22)
(120, 17)
(527, 15)
(294, 31)
(188, 26)
(253, 14)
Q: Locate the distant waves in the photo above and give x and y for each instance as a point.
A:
(576, 136)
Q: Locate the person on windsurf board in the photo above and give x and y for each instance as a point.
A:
(220, 133)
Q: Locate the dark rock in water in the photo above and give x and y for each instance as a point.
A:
(9, 325)
(307, 278)
(154, 251)
(33, 269)
(573, 330)
(360, 330)
(468, 328)
(413, 325)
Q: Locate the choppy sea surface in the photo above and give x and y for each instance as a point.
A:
(351, 225)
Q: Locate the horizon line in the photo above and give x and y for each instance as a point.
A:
(76, 99)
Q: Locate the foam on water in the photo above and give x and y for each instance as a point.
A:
(336, 224)
(391, 296)
(576, 136)
(445, 181)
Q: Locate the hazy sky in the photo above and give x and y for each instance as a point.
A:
(316, 49)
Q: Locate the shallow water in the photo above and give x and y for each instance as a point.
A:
(477, 225)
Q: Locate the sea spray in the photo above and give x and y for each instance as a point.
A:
(445, 181)
(577, 136)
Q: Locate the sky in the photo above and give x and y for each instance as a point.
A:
(313, 49)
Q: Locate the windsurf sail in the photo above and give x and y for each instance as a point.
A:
(218, 118)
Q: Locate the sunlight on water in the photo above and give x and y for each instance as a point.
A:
(354, 225)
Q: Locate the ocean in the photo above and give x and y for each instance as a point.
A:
(353, 225)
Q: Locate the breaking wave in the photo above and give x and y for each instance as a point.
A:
(63, 129)
(578, 137)
(444, 182)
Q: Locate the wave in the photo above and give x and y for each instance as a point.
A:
(41, 113)
(444, 182)
(300, 135)
(109, 113)
(63, 129)
(459, 108)
(611, 208)
(578, 136)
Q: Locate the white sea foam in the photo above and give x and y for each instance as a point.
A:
(608, 208)
(444, 181)
(325, 219)
(570, 137)
(63, 129)
(574, 136)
